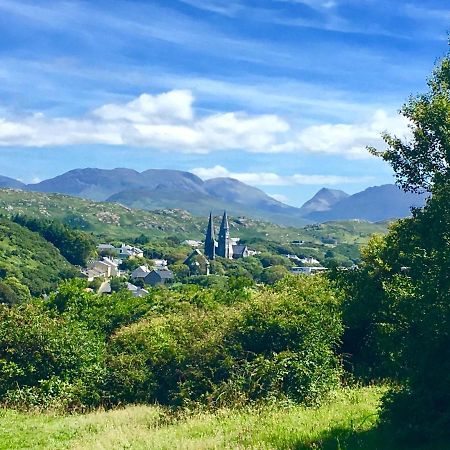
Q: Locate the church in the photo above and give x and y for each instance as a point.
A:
(225, 246)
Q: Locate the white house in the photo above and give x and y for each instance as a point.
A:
(107, 267)
(307, 270)
(123, 252)
(192, 243)
(309, 260)
(128, 251)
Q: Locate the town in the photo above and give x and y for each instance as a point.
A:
(128, 263)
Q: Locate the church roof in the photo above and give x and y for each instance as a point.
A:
(239, 249)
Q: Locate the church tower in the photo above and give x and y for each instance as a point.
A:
(210, 242)
(225, 249)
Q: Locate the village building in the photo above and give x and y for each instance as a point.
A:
(125, 251)
(140, 273)
(158, 277)
(136, 291)
(307, 270)
(197, 262)
(104, 267)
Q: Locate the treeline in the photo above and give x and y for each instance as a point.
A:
(29, 265)
(215, 347)
(75, 245)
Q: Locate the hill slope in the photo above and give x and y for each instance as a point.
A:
(115, 221)
(6, 182)
(29, 258)
(373, 204)
(323, 200)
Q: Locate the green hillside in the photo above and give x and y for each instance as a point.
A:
(28, 258)
(115, 221)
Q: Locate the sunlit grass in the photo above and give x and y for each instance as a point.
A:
(350, 412)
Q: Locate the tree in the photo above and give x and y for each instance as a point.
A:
(401, 294)
(272, 274)
(425, 160)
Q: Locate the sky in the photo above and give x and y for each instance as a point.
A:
(284, 95)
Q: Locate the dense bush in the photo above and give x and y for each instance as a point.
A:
(223, 345)
(101, 313)
(48, 361)
(278, 343)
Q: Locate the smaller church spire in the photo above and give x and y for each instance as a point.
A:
(224, 225)
(224, 248)
(210, 242)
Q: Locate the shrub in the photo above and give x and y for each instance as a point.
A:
(276, 344)
(47, 361)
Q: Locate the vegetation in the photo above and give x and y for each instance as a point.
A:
(398, 302)
(345, 422)
(195, 345)
(161, 232)
(74, 245)
(28, 264)
(266, 350)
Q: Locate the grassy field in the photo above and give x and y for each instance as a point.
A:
(347, 422)
(336, 425)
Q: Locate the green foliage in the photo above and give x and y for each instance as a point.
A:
(47, 361)
(399, 302)
(28, 263)
(12, 291)
(101, 313)
(271, 275)
(268, 259)
(419, 163)
(76, 246)
(276, 344)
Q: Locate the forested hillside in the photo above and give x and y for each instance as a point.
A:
(26, 258)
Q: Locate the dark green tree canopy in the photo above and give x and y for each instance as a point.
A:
(425, 159)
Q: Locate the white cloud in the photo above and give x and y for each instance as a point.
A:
(280, 197)
(349, 140)
(174, 105)
(168, 122)
(273, 179)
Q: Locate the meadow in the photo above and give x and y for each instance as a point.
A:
(344, 421)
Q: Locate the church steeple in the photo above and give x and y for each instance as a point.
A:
(224, 249)
(210, 242)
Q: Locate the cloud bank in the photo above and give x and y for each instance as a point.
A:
(169, 121)
(273, 179)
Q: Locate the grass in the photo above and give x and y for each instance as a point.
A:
(347, 422)
(350, 412)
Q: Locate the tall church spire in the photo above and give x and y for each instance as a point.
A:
(210, 242)
(224, 249)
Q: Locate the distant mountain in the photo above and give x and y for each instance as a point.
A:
(323, 200)
(373, 204)
(174, 189)
(234, 191)
(6, 182)
(159, 189)
(219, 194)
(99, 184)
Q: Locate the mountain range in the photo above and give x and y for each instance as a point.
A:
(162, 189)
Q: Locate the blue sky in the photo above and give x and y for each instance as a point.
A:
(281, 94)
